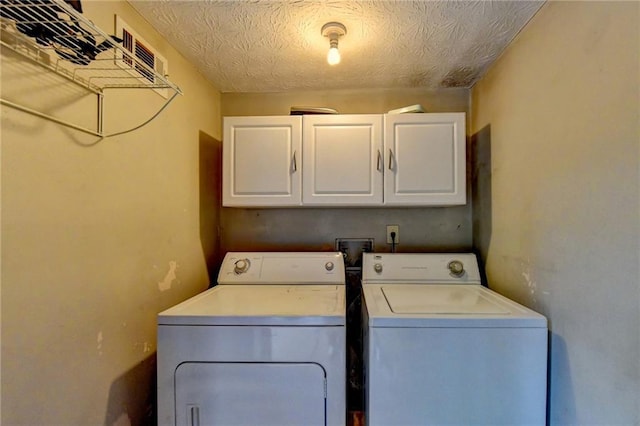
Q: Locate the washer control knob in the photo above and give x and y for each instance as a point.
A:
(329, 266)
(456, 268)
(377, 267)
(241, 266)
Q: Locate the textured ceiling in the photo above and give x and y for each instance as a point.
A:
(274, 46)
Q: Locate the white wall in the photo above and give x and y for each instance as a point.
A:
(557, 198)
(98, 237)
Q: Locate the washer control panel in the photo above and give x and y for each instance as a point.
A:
(456, 268)
(449, 268)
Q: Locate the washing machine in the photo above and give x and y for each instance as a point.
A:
(266, 346)
(442, 349)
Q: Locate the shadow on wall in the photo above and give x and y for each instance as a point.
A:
(480, 150)
(559, 388)
(132, 396)
(559, 383)
(210, 202)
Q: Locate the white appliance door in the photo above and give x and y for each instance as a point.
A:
(251, 394)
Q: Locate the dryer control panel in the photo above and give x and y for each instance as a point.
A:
(282, 268)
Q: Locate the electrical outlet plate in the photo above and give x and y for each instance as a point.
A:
(390, 229)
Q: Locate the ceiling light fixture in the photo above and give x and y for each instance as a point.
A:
(333, 30)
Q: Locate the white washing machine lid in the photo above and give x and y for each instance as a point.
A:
(444, 305)
(261, 305)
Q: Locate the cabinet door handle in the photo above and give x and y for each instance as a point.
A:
(391, 159)
(379, 165)
(295, 162)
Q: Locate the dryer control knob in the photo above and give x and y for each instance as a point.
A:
(456, 268)
(377, 267)
(242, 266)
(329, 266)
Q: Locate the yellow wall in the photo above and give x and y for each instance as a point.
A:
(100, 236)
(93, 232)
(361, 101)
(443, 228)
(557, 198)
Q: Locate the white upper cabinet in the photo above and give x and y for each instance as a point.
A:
(342, 160)
(261, 163)
(425, 159)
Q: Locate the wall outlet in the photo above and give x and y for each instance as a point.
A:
(390, 229)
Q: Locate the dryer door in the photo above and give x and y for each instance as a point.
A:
(252, 394)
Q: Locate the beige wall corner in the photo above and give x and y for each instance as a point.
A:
(556, 142)
(98, 236)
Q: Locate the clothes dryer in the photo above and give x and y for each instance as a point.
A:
(440, 348)
(264, 347)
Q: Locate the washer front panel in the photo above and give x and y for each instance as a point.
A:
(456, 376)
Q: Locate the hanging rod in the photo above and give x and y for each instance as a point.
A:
(84, 129)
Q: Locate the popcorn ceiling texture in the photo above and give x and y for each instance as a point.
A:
(275, 46)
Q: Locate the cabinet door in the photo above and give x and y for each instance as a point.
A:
(342, 160)
(261, 161)
(426, 159)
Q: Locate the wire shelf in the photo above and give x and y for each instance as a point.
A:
(56, 36)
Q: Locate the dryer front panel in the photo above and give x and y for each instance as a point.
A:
(252, 394)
